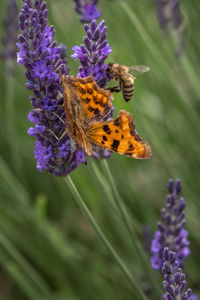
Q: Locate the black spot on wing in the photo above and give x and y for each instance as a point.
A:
(106, 129)
(117, 122)
(137, 138)
(86, 100)
(102, 104)
(130, 147)
(115, 145)
(90, 91)
(96, 111)
(82, 91)
(91, 109)
(95, 100)
(116, 131)
(132, 129)
(105, 138)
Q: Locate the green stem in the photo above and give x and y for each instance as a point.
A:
(9, 101)
(136, 290)
(131, 229)
(10, 134)
(119, 202)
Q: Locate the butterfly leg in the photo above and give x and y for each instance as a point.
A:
(63, 134)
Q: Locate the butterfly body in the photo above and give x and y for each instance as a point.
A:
(86, 107)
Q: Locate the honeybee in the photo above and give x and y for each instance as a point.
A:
(123, 74)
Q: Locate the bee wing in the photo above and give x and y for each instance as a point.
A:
(138, 70)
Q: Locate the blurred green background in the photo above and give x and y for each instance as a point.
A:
(47, 248)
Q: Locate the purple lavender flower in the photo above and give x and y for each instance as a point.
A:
(43, 59)
(168, 11)
(163, 19)
(171, 232)
(175, 282)
(87, 9)
(92, 58)
(169, 15)
(9, 40)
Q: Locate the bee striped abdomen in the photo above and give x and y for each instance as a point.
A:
(128, 89)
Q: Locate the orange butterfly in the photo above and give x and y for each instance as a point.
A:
(86, 105)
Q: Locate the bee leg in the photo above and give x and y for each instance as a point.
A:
(115, 89)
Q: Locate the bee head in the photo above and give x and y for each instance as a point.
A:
(109, 69)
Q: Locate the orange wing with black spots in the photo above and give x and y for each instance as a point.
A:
(119, 135)
(94, 101)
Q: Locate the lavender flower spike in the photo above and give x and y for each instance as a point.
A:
(9, 40)
(87, 9)
(171, 232)
(43, 59)
(174, 283)
(92, 56)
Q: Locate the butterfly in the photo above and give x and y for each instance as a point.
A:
(86, 107)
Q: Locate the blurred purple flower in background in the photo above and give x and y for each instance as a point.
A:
(92, 58)
(170, 17)
(169, 12)
(87, 9)
(171, 232)
(43, 59)
(8, 54)
(174, 283)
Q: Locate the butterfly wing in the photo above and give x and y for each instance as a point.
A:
(120, 136)
(94, 101)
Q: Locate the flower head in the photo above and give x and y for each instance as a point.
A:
(174, 283)
(9, 40)
(87, 9)
(171, 232)
(43, 59)
(92, 56)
